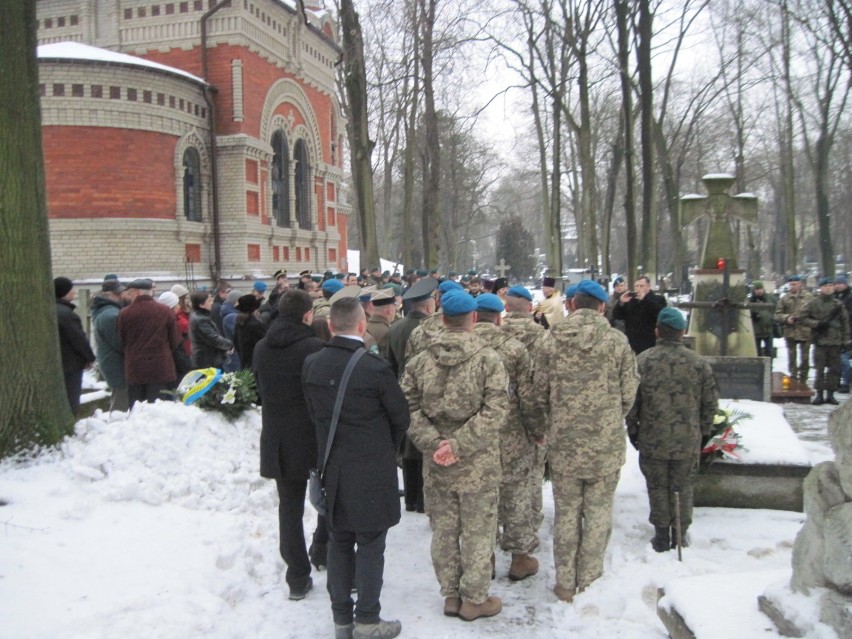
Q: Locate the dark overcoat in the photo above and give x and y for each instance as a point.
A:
(361, 474)
(288, 442)
(73, 343)
(209, 347)
(149, 335)
(640, 320)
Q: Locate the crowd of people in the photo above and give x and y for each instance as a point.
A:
(474, 390)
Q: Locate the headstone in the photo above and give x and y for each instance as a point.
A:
(742, 377)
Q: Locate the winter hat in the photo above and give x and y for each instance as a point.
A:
(233, 296)
(457, 302)
(248, 303)
(142, 284)
(501, 283)
(62, 286)
(488, 302)
(548, 281)
(520, 291)
(794, 278)
(179, 290)
(825, 281)
(758, 284)
(672, 318)
(618, 280)
(841, 279)
(112, 286)
(592, 289)
(168, 299)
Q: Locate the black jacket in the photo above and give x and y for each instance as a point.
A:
(361, 475)
(288, 442)
(640, 320)
(247, 333)
(208, 345)
(73, 343)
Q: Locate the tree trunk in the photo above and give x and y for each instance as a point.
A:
(33, 405)
(788, 188)
(646, 99)
(360, 144)
(410, 143)
(821, 169)
(622, 9)
(432, 148)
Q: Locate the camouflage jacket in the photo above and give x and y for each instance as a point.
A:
(425, 333)
(456, 390)
(676, 402)
(322, 308)
(828, 321)
(524, 423)
(585, 373)
(793, 305)
(523, 328)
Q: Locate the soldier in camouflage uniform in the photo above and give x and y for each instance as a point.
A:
(322, 306)
(796, 335)
(523, 427)
(518, 322)
(456, 392)
(585, 374)
(670, 423)
(829, 324)
(430, 327)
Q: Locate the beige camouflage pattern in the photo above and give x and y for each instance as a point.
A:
(322, 308)
(793, 306)
(585, 373)
(425, 333)
(457, 391)
(524, 424)
(523, 328)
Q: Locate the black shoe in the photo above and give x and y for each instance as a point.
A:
(843, 388)
(830, 399)
(661, 541)
(818, 400)
(318, 554)
(297, 594)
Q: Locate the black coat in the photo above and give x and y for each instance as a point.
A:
(73, 343)
(209, 347)
(640, 320)
(247, 333)
(361, 476)
(288, 441)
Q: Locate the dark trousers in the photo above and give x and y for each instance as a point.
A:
(764, 346)
(827, 365)
(412, 479)
(664, 478)
(362, 568)
(291, 532)
(73, 388)
(147, 392)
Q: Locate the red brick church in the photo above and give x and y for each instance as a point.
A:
(191, 136)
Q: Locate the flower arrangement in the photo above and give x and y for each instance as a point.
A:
(231, 395)
(724, 440)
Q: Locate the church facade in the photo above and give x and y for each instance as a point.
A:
(191, 139)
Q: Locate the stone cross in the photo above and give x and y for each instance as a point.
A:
(719, 207)
(502, 267)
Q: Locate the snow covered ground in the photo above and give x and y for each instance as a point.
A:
(156, 524)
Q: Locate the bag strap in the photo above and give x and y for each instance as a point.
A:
(341, 391)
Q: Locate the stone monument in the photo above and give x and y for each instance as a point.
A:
(822, 554)
(720, 321)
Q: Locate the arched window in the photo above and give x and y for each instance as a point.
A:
(303, 185)
(280, 179)
(192, 185)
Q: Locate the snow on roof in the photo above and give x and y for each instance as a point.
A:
(79, 51)
(693, 196)
(718, 176)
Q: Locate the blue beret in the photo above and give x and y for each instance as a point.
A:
(520, 291)
(489, 302)
(794, 278)
(449, 285)
(824, 281)
(592, 289)
(618, 280)
(260, 287)
(457, 303)
(332, 286)
(841, 279)
(672, 318)
(570, 291)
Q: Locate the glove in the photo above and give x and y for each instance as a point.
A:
(634, 439)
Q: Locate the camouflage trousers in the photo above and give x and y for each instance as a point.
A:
(515, 507)
(664, 477)
(798, 351)
(535, 481)
(827, 365)
(463, 526)
(582, 527)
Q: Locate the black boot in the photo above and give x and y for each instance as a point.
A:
(818, 400)
(318, 554)
(830, 398)
(661, 541)
(684, 543)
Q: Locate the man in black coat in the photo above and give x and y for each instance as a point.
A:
(639, 309)
(288, 444)
(360, 475)
(74, 347)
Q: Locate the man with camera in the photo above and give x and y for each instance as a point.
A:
(638, 309)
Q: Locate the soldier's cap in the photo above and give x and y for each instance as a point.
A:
(758, 284)
(304, 274)
(110, 276)
(142, 283)
(332, 286)
(382, 297)
(501, 282)
(570, 291)
(520, 291)
(421, 289)
(488, 302)
(825, 281)
(385, 273)
(279, 273)
(618, 280)
(672, 318)
(452, 274)
(421, 273)
(397, 288)
(472, 272)
(259, 286)
(347, 291)
(592, 289)
(457, 302)
(433, 271)
(316, 278)
(339, 276)
(447, 286)
(327, 274)
(112, 286)
(841, 279)
(366, 292)
(410, 271)
(794, 278)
